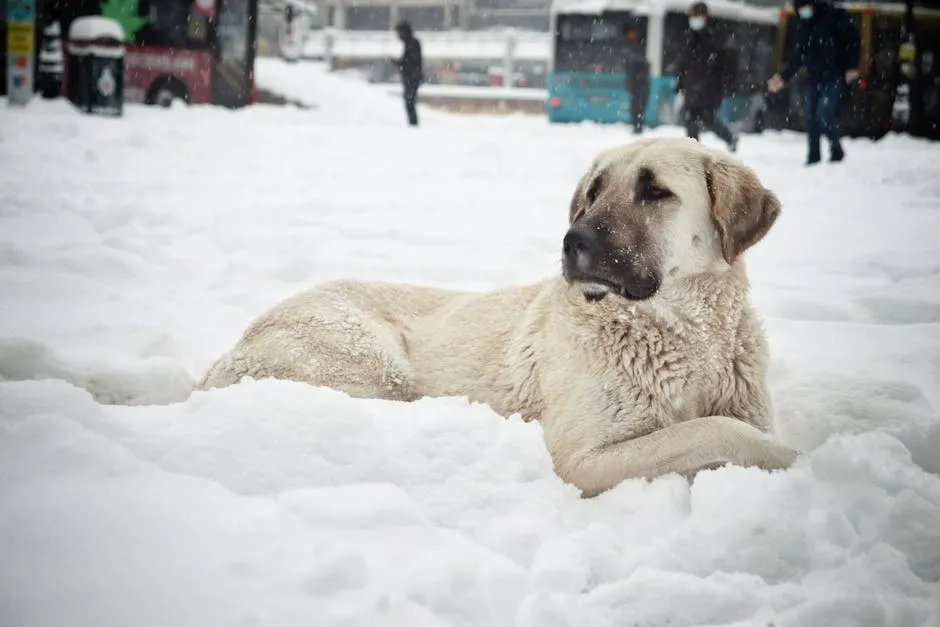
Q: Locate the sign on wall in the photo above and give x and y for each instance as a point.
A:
(21, 20)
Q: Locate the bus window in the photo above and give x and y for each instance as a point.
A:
(762, 56)
(754, 45)
(172, 23)
(596, 44)
(675, 26)
(723, 29)
(736, 39)
(929, 32)
(749, 49)
(885, 40)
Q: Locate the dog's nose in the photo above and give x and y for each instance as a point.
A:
(578, 245)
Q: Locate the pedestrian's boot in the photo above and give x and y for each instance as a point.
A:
(836, 153)
(813, 157)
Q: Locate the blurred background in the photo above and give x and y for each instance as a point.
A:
(558, 58)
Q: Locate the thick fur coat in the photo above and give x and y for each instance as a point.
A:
(643, 358)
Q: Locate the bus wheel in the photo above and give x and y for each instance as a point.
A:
(165, 90)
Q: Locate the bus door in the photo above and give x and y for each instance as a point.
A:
(872, 111)
(927, 32)
(234, 54)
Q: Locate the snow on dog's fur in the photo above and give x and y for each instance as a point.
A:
(644, 358)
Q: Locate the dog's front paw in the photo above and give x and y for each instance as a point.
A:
(766, 453)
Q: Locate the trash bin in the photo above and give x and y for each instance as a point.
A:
(51, 62)
(95, 75)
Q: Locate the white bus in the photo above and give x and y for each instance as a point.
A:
(586, 80)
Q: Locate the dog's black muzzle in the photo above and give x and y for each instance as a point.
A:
(597, 268)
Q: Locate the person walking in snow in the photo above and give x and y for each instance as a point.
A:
(411, 67)
(700, 76)
(828, 47)
(637, 69)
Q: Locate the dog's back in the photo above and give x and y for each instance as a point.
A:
(384, 340)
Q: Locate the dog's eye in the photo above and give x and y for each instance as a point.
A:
(594, 190)
(649, 191)
(653, 193)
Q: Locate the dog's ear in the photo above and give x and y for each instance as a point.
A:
(743, 209)
(585, 193)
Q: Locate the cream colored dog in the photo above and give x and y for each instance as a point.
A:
(644, 358)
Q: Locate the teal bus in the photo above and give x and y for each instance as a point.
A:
(586, 80)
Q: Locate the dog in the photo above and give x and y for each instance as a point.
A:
(643, 358)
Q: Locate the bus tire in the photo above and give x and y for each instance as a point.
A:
(165, 90)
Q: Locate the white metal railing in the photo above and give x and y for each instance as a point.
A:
(504, 45)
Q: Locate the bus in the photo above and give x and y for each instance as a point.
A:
(586, 80)
(194, 51)
(871, 107)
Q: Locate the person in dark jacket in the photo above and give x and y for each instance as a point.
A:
(828, 47)
(411, 67)
(701, 75)
(637, 69)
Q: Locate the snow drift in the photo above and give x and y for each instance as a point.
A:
(134, 251)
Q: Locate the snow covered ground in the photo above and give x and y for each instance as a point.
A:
(134, 251)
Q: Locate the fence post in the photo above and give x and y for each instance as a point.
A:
(509, 58)
(328, 47)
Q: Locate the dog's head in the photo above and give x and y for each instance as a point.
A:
(660, 210)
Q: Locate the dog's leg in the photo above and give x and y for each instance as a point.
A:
(684, 448)
(362, 355)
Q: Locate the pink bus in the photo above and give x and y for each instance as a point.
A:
(196, 51)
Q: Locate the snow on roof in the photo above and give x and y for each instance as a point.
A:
(721, 8)
(95, 27)
(580, 6)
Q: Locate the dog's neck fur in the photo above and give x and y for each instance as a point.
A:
(692, 301)
(695, 325)
(682, 306)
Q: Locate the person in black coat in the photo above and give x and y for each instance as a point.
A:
(637, 69)
(828, 47)
(701, 75)
(411, 67)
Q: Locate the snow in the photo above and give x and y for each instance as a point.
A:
(133, 251)
(93, 27)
